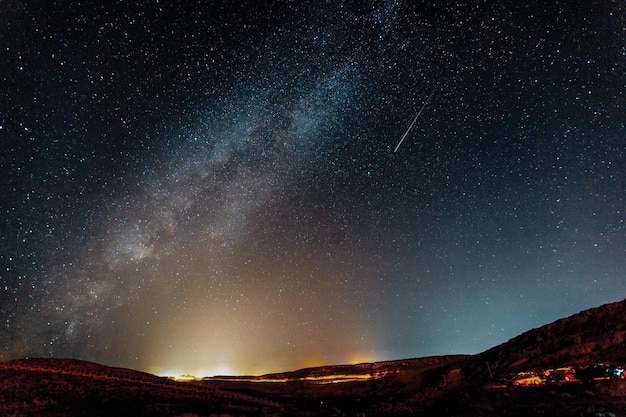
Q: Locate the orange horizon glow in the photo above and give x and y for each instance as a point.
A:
(182, 372)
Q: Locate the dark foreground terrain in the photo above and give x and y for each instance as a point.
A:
(457, 385)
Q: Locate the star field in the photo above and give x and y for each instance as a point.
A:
(212, 187)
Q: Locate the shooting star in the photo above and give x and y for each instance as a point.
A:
(413, 122)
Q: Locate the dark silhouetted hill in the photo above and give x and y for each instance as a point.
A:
(454, 385)
(593, 335)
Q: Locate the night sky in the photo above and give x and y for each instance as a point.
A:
(212, 188)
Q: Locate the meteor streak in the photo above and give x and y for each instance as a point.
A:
(413, 122)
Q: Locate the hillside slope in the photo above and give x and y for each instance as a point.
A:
(593, 335)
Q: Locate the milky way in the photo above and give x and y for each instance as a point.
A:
(213, 188)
